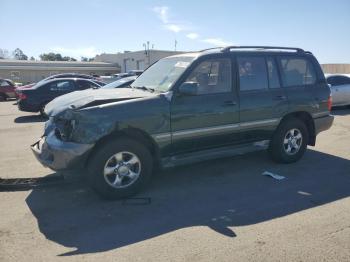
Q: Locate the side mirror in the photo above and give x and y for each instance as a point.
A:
(189, 88)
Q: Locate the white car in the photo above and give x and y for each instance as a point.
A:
(340, 88)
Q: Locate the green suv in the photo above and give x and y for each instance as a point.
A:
(187, 108)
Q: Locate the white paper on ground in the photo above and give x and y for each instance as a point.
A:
(275, 176)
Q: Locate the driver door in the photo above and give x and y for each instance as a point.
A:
(210, 117)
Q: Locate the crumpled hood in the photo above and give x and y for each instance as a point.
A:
(92, 97)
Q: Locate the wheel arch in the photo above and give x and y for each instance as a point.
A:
(130, 132)
(307, 119)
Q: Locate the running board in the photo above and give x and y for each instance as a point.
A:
(208, 154)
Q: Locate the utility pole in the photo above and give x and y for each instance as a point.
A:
(147, 52)
(175, 44)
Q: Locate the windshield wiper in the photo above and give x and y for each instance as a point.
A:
(144, 88)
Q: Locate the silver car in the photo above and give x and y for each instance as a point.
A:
(340, 88)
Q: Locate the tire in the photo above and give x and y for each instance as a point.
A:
(286, 146)
(2, 97)
(122, 182)
(42, 111)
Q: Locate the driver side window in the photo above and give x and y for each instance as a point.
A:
(212, 76)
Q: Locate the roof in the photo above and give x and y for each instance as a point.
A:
(73, 63)
(55, 65)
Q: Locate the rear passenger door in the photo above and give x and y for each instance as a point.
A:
(299, 79)
(262, 99)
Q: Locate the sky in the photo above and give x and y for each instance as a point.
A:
(85, 28)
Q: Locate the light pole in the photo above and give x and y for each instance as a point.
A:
(147, 52)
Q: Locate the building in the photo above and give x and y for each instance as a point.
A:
(336, 68)
(33, 71)
(137, 60)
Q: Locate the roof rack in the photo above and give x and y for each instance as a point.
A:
(228, 48)
(218, 47)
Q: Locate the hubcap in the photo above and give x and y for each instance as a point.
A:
(122, 169)
(292, 141)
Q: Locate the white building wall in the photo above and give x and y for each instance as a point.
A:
(138, 60)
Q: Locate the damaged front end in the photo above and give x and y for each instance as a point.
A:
(68, 139)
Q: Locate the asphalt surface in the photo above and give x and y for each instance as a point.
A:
(221, 210)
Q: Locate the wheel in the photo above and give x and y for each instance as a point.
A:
(289, 141)
(42, 111)
(2, 97)
(120, 168)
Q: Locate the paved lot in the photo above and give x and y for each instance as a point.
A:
(222, 210)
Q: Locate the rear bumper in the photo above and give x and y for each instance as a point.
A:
(323, 123)
(59, 155)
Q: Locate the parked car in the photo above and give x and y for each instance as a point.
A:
(65, 75)
(340, 88)
(120, 83)
(7, 89)
(35, 98)
(191, 107)
(65, 101)
(130, 73)
(135, 72)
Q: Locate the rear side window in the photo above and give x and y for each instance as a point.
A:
(297, 72)
(252, 73)
(62, 86)
(81, 84)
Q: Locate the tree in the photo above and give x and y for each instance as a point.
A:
(68, 58)
(32, 58)
(84, 59)
(4, 54)
(55, 57)
(19, 55)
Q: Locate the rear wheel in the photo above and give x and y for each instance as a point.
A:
(120, 168)
(3, 97)
(289, 142)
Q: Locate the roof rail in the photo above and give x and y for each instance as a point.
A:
(218, 47)
(228, 48)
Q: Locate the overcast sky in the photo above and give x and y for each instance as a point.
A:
(86, 28)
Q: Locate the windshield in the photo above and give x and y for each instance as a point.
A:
(161, 75)
(123, 82)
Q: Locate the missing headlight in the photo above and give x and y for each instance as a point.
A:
(64, 128)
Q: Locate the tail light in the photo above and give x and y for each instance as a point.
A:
(22, 96)
(329, 103)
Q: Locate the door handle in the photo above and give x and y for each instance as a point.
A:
(230, 103)
(280, 97)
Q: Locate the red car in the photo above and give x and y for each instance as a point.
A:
(7, 89)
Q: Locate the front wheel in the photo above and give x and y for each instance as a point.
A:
(120, 168)
(42, 111)
(289, 142)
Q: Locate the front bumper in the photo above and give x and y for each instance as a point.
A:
(59, 155)
(323, 123)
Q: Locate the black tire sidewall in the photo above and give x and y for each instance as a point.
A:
(99, 159)
(3, 98)
(276, 147)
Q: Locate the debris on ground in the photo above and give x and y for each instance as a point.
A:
(275, 176)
